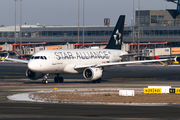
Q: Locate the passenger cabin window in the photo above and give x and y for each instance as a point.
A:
(39, 57)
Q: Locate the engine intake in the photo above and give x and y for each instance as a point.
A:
(92, 73)
(33, 75)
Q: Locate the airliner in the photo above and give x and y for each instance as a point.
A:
(89, 62)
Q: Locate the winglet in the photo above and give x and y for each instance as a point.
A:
(175, 59)
(7, 55)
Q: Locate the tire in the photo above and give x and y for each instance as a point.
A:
(42, 81)
(94, 81)
(56, 79)
(61, 80)
(99, 80)
(46, 82)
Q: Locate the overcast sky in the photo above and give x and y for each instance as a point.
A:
(65, 12)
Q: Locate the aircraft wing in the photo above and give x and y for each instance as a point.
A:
(129, 62)
(117, 63)
(17, 60)
(83, 66)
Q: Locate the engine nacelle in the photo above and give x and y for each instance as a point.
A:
(33, 75)
(92, 73)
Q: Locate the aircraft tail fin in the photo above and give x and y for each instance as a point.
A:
(115, 41)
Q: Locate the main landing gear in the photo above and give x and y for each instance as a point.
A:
(58, 79)
(97, 81)
(45, 81)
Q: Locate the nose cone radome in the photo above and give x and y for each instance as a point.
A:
(37, 66)
(32, 66)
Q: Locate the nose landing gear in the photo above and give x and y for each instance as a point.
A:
(58, 79)
(45, 81)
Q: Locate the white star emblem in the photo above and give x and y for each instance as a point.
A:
(117, 37)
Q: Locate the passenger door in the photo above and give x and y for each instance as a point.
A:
(53, 58)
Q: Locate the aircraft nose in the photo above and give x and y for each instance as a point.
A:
(32, 66)
(37, 66)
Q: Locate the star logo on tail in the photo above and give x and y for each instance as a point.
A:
(117, 38)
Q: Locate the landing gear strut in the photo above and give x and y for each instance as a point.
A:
(97, 81)
(45, 81)
(58, 79)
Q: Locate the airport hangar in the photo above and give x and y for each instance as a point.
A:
(159, 27)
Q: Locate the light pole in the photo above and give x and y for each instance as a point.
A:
(138, 26)
(78, 19)
(20, 25)
(133, 21)
(83, 23)
(15, 23)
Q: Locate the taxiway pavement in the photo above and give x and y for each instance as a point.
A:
(13, 80)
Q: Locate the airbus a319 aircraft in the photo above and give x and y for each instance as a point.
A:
(89, 62)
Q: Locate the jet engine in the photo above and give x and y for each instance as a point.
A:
(92, 73)
(33, 75)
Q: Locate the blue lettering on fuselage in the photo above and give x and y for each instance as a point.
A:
(82, 55)
(78, 56)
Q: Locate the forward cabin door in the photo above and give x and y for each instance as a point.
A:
(53, 58)
(57, 65)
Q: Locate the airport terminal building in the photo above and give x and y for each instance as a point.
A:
(38, 33)
(154, 26)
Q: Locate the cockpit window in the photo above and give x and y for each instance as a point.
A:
(39, 57)
(44, 57)
(36, 57)
(32, 57)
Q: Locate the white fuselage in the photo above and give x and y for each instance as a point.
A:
(65, 60)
